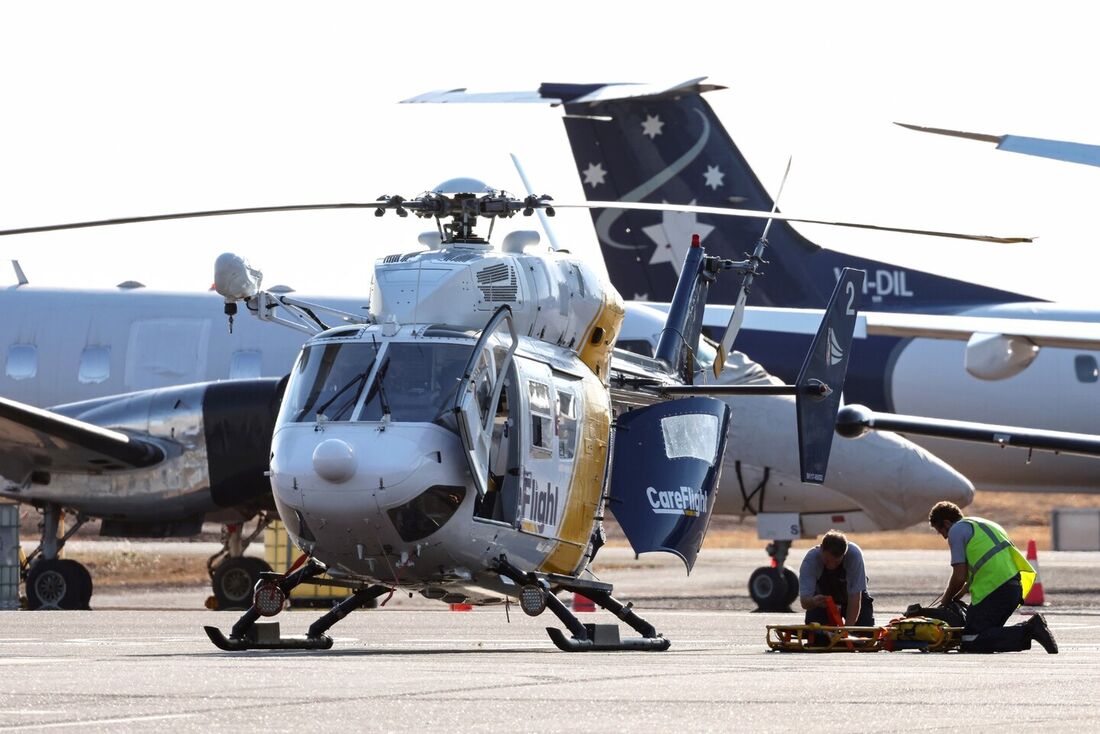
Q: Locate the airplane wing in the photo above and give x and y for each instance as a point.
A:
(32, 439)
(1040, 332)
(1063, 334)
(1059, 150)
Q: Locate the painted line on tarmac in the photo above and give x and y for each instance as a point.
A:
(83, 722)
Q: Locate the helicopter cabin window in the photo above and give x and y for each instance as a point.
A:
(637, 346)
(1085, 365)
(95, 365)
(327, 381)
(417, 381)
(694, 435)
(22, 361)
(542, 421)
(567, 425)
(245, 364)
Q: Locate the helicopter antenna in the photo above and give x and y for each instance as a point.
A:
(751, 268)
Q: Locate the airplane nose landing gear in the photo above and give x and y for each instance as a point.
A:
(774, 588)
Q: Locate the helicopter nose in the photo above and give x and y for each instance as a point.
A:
(895, 481)
(335, 460)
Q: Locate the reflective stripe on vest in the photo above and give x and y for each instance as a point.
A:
(992, 560)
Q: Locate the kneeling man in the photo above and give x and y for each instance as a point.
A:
(835, 569)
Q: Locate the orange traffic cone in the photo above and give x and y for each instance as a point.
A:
(1035, 596)
(582, 603)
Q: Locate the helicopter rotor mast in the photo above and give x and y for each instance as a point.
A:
(463, 209)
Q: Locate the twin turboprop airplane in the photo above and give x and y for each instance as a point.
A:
(462, 439)
(933, 346)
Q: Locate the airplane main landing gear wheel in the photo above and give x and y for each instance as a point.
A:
(792, 584)
(58, 583)
(234, 580)
(768, 587)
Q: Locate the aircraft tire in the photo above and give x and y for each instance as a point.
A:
(768, 588)
(792, 585)
(234, 580)
(58, 583)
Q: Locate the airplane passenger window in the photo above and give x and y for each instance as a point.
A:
(1086, 367)
(95, 365)
(246, 363)
(22, 361)
(542, 426)
(693, 435)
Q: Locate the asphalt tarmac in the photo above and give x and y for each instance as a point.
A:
(140, 662)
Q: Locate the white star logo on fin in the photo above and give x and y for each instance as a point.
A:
(714, 177)
(673, 237)
(594, 174)
(651, 128)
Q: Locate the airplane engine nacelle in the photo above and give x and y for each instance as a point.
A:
(217, 442)
(998, 356)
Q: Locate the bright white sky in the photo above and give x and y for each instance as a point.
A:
(127, 108)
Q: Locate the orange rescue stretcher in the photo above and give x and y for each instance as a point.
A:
(904, 633)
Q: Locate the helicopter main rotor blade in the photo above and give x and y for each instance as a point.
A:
(752, 213)
(583, 205)
(184, 215)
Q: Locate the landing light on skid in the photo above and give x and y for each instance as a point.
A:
(532, 600)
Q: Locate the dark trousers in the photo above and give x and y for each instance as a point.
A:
(819, 615)
(985, 631)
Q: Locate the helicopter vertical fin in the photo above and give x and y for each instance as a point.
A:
(679, 339)
(821, 379)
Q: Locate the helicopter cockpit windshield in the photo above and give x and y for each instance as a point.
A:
(328, 380)
(412, 382)
(416, 381)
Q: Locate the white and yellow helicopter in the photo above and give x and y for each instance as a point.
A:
(462, 438)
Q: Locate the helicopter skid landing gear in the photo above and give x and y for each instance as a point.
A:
(248, 635)
(588, 637)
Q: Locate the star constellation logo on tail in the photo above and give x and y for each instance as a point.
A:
(836, 354)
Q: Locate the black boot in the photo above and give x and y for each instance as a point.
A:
(1042, 634)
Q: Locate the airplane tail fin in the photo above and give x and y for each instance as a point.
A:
(664, 144)
(822, 376)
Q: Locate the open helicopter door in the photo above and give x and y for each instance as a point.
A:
(664, 473)
(479, 392)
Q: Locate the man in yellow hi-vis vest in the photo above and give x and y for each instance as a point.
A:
(985, 561)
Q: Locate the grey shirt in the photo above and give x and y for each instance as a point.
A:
(957, 538)
(813, 566)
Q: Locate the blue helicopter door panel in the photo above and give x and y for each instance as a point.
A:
(664, 473)
(479, 392)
